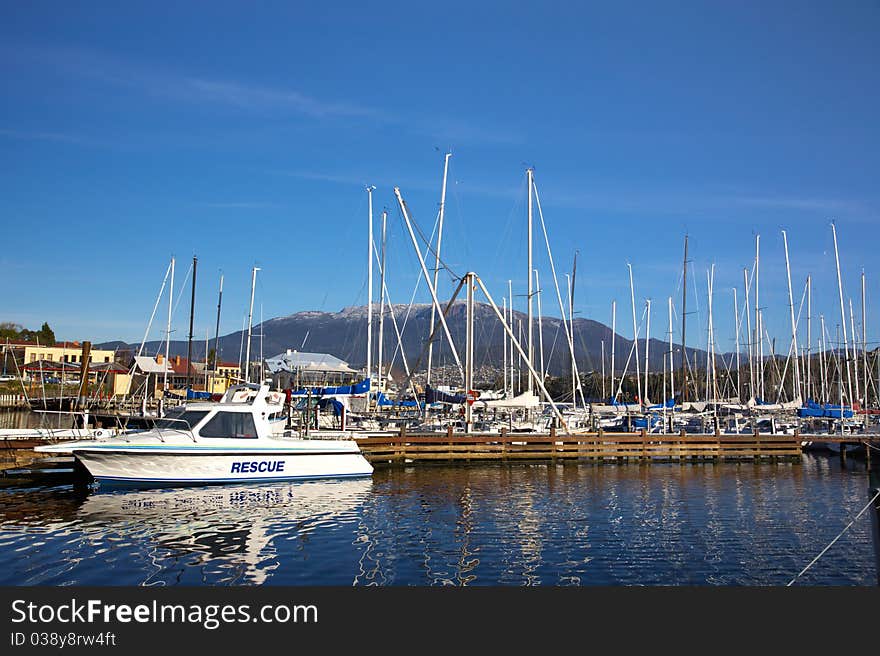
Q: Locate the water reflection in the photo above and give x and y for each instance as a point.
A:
(548, 524)
(217, 534)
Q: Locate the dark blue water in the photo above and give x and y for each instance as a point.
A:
(721, 524)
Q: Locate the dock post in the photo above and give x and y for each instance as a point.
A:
(85, 357)
(873, 489)
(400, 451)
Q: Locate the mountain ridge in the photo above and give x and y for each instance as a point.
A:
(343, 334)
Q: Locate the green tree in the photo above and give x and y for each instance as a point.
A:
(46, 335)
(9, 330)
(13, 331)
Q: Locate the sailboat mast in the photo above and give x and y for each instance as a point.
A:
(402, 204)
(530, 175)
(510, 305)
(684, 358)
(748, 314)
(710, 360)
(540, 327)
(796, 388)
(671, 361)
(206, 360)
(840, 379)
(504, 343)
(632, 296)
(864, 349)
(855, 357)
(192, 309)
(823, 372)
(369, 189)
(571, 345)
(736, 330)
(759, 339)
(469, 352)
(647, 342)
(382, 302)
(714, 357)
(437, 257)
(217, 329)
(613, 333)
(167, 337)
(250, 320)
(576, 377)
(842, 317)
(809, 362)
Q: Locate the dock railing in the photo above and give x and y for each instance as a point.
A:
(598, 446)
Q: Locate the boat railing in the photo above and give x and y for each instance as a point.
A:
(158, 428)
(74, 414)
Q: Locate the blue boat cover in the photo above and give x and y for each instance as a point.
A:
(190, 394)
(342, 390)
(813, 409)
(436, 396)
(385, 401)
(333, 403)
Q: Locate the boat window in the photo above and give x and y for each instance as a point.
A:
(230, 424)
(182, 420)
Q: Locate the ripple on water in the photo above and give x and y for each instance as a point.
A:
(483, 525)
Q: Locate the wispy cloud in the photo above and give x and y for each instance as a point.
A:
(451, 131)
(317, 176)
(800, 203)
(239, 205)
(699, 202)
(157, 81)
(27, 135)
(356, 180)
(263, 98)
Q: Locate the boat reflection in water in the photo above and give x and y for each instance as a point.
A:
(530, 524)
(230, 530)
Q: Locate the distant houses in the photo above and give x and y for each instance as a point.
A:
(114, 373)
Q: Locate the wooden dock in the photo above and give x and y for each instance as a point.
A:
(599, 447)
(596, 447)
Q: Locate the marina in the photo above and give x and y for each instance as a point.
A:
(710, 524)
(490, 295)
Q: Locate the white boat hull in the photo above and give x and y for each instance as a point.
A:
(165, 466)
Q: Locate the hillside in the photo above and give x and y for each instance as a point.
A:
(343, 334)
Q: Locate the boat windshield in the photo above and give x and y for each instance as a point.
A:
(182, 419)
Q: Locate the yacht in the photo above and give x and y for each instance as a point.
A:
(233, 441)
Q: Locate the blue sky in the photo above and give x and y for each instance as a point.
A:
(244, 133)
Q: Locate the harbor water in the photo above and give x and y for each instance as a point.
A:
(510, 525)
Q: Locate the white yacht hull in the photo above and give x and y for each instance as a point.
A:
(188, 466)
(233, 441)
